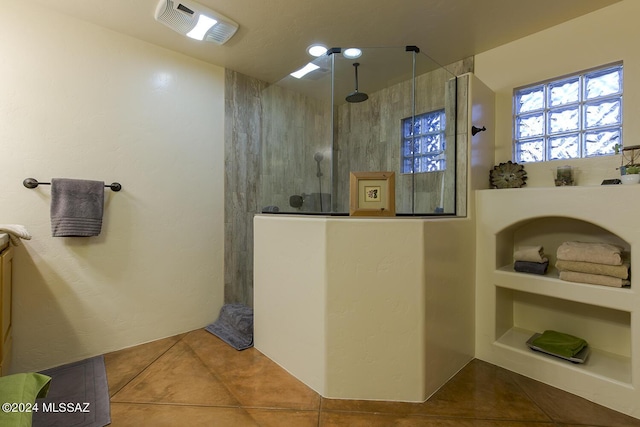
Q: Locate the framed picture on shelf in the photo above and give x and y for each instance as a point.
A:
(372, 194)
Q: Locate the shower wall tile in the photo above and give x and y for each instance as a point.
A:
(461, 67)
(463, 110)
(243, 125)
(294, 129)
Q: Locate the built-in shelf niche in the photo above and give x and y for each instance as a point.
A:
(608, 331)
(528, 303)
(512, 306)
(550, 232)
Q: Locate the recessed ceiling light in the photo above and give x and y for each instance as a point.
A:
(304, 70)
(316, 50)
(352, 53)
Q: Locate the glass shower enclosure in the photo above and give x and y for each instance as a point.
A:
(390, 109)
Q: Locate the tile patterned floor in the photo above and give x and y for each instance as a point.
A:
(195, 379)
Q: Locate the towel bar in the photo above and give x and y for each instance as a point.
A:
(33, 183)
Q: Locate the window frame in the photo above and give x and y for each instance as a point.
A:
(547, 111)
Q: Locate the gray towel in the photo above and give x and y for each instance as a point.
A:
(234, 326)
(76, 207)
(531, 267)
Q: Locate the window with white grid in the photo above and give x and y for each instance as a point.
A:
(572, 117)
(423, 143)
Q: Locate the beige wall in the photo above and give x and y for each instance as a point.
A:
(79, 101)
(365, 308)
(608, 35)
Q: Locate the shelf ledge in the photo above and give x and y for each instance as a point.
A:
(604, 365)
(624, 299)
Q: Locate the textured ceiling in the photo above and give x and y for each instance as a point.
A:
(273, 35)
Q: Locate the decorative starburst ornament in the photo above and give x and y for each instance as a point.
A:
(508, 175)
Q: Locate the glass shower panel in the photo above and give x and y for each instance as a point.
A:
(295, 169)
(368, 134)
(434, 190)
(314, 135)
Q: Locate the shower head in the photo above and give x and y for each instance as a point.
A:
(356, 96)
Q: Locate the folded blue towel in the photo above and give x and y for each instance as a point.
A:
(531, 267)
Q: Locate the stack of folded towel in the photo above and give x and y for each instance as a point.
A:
(530, 259)
(594, 263)
(559, 343)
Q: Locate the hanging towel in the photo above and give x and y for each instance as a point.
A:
(529, 253)
(76, 207)
(15, 232)
(600, 253)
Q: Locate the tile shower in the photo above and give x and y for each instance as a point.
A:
(312, 137)
(292, 144)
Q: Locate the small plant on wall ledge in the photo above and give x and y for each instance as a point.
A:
(631, 174)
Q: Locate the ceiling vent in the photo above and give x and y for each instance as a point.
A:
(195, 20)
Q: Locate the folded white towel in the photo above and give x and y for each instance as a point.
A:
(529, 253)
(15, 232)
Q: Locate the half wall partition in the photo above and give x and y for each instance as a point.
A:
(390, 109)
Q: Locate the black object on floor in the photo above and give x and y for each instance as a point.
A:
(78, 396)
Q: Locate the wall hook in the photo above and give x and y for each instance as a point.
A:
(475, 130)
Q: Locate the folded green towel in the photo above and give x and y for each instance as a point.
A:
(19, 392)
(559, 343)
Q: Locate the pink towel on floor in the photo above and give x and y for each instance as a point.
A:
(599, 253)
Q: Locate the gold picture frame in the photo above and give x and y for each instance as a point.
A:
(372, 194)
